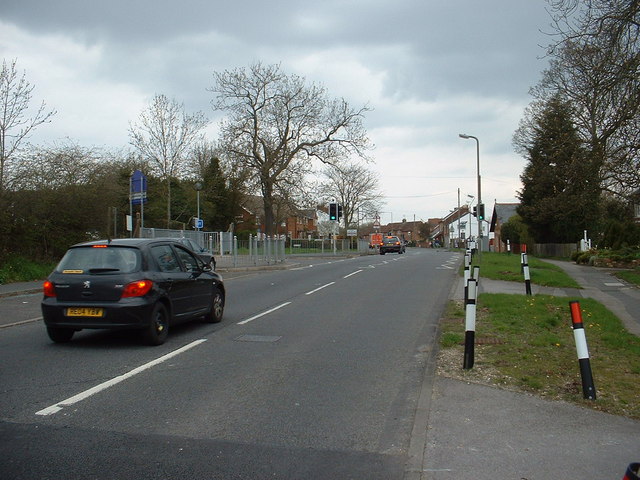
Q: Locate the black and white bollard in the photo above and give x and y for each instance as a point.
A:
(470, 325)
(527, 276)
(588, 389)
(467, 275)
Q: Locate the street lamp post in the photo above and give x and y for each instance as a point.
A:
(198, 186)
(466, 137)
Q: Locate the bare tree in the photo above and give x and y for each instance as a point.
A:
(354, 187)
(15, 125)
(278, 126)
(164, 136)
(57, 165)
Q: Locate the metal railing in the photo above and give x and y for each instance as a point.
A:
(259, 250)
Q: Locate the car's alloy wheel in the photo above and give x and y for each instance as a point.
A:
(217, 307)
(158, 329)
(60, 335)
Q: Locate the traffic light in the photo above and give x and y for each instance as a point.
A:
(481, 211)
(333, 211)
(475, 211)
(339, 212)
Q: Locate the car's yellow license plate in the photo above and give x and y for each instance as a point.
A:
(84, 312)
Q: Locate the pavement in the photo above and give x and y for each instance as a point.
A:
(480, 432)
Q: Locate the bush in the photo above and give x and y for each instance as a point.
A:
(585, 257)
(20, 269)
(623, 255)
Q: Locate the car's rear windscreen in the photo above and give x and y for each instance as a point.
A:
(101, 259)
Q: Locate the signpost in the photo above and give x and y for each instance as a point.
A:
(137, 194)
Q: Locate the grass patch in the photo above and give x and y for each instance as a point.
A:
(532, 349)
(631, 276)
(504, 266)
(21, 269)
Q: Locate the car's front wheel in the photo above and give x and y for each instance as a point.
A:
(60, 335)
(217, 307)
(156, 332)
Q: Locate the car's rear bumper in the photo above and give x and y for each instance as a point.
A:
(134, 313)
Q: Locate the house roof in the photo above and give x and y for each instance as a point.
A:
(502, 212)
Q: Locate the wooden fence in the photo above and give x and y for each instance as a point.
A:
(561, 250)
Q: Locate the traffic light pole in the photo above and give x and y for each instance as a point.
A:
(333, 211)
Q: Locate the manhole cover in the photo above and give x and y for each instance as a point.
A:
(258, 338)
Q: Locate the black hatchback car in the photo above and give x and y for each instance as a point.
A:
(204, 255)
(391, 243)
(140, 284)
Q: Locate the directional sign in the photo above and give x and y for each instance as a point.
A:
(138, 188)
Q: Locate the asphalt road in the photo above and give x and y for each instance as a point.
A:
(315, 373)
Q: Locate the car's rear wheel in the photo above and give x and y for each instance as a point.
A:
(217, 307)
(158, 329)
(59, 334)
(382, 252)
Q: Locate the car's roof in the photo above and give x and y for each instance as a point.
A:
(127, 242)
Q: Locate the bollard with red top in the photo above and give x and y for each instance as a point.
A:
(633, 472)
(588, 389)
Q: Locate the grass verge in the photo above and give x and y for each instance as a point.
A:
(631, 276)
(525, 343)
(502, 266)
(21, 269)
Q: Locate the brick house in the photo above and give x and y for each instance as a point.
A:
(290, 221)
(502, 212)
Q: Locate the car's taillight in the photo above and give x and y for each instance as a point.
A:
(137, 289)
(49, 289)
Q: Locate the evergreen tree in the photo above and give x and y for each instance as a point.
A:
(217, 200)
(561, 192)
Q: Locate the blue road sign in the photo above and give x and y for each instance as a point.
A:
(138, 191)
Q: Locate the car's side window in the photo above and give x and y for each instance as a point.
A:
(165, 258)
(189, 261)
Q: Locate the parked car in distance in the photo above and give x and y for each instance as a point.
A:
(138, 284)
(206, 256)
(391, 244)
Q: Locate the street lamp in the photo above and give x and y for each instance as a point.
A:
(466, 137)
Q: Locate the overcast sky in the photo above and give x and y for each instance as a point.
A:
(430, 69)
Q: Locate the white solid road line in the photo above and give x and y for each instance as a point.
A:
(263, 313)
(320, 288)
(352, 273)
(22, 322)
(109, 383)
